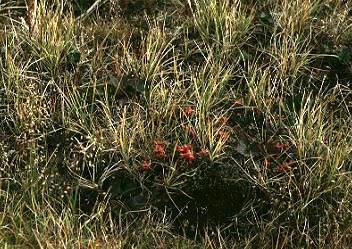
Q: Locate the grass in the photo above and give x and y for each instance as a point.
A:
(175, 124)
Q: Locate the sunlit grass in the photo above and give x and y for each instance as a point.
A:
(203, 124)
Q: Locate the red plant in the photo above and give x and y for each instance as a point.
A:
(158, 142)
(159, 149)
(223, 120)
(184, 148)
(145, 164)
(191, 133)
(202, 152)
(222, 134)
(188, 111)
(285, 165)
(188, 155)
(278, 146)
(186, 152)
(238, 102)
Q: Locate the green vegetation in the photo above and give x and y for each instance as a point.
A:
(176, 124)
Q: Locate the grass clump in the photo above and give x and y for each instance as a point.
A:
(175, 124)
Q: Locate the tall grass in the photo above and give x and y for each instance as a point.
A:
(204, 124)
